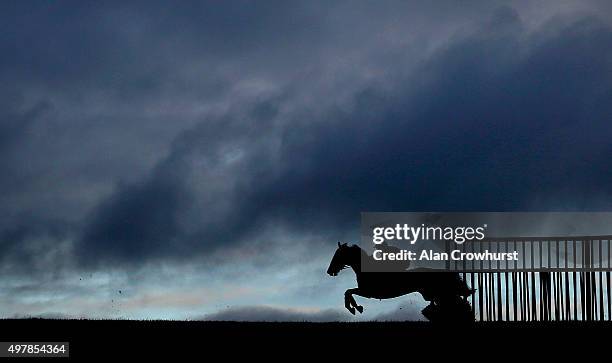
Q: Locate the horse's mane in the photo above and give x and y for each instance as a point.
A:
(362, 253)
(361, 250)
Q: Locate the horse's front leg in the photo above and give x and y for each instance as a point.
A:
(349, 301)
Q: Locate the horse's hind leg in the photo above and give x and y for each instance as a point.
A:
(350, 300)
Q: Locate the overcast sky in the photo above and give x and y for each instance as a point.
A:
(200, 160)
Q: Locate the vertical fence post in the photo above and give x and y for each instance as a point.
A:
(548, 284)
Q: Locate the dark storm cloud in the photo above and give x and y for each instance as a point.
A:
(491, 121)
(188, 203)
(138, 219)
(32, 245)
(267, 313)
(153, 130)
(498, 119)
(16, 122)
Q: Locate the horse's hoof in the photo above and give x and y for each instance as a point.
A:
(360, 309)
(351, 310)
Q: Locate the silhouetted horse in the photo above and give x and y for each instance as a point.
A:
(445, 291)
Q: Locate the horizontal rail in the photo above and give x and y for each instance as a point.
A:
(552, 239)
(561, 269)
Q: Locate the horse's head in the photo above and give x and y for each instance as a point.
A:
(340, 260)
